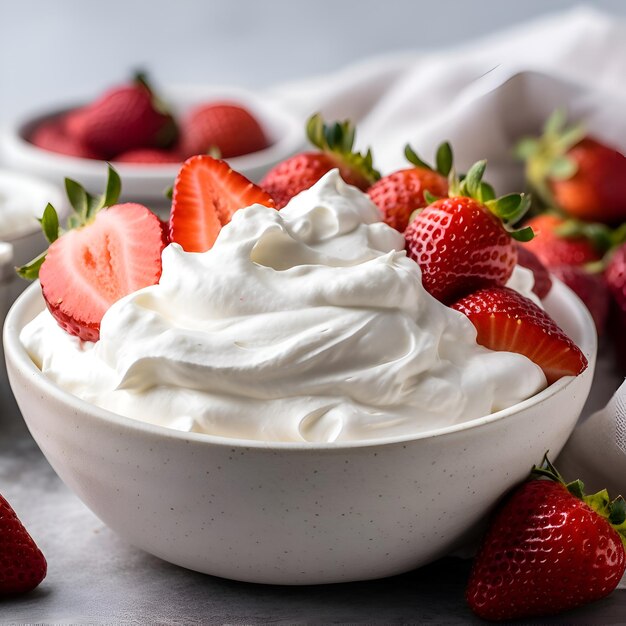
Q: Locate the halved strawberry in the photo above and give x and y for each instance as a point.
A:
(206, 194)
(506, 320)
(107, 253)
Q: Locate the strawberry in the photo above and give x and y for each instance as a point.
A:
(400, 193)
(225, 126)
(527, 259)
(124, 118)
(206, 194)
(461, 242)
(590, 287)
(549, 548)
(148, 156)
(22, 565)
(616, 281)
(575, 172)
(559, 241)
(108, 252)
(506, 320)
(303, 170)
(52, 135)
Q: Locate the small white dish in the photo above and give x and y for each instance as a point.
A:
(147, 183)
(294, 513)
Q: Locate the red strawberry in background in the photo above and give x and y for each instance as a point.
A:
(400, 193)
(124, 118)
(506, 320)
(572, 250)
(616, 281)
(569, 170)
(549, 548)
(527, 259)
(228, 127)
(335, 144)
(108, 252)
(22, 565)
(206, 194)
(52, 135)
(461, 243)
(148, 156)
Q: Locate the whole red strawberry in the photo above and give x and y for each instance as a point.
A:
(148, 156)
(549, 548)
(577, 173)
(226, 126)
(52, 135)
(400, 193)
(22, 565)
(527, 259)
(303, 170)
(124, 118)
(616, 280)
(461, 242)
(108, 252)
(506, 320)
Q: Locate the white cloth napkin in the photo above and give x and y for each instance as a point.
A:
(483, 97)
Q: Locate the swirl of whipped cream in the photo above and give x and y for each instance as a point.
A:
(305, 324)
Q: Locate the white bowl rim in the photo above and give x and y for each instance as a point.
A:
(292, 140)
(15, 351)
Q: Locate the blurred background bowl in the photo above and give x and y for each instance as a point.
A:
(147, 183)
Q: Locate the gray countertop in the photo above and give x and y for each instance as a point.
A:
(94, 577)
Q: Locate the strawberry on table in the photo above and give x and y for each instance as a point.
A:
(108, 252)
(466, 241)
(575, 172)
(549, 548)
(400, 193)
(22, 564)
(506, 320)
(206, 194)
(335, 150)
(124, 118)
(226, 126)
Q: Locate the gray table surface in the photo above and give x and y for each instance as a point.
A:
(94, 577)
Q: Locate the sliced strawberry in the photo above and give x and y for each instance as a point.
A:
(506, 320)
(206, 194)
(89, 268)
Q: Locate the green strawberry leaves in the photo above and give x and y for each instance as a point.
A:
(85, 207)
(338, 138)
(443, 158)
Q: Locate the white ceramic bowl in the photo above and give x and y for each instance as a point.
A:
(292, 513)
(147, 183)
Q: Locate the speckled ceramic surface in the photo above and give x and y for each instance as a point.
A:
(293, 513)
(148, 183)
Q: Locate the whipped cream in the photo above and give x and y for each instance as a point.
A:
(305, 324)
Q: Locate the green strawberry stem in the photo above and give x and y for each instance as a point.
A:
(614, 511)
(338, 139)
(546, 156)
(85, 207)
(510, 208)
(168, 134)
(443, 158)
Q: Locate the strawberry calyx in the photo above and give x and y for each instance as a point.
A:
(614, 511)
(546, 156)
(510, 209)
(85, 208)
(444, 159)
(168, 133)
(338, 140)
